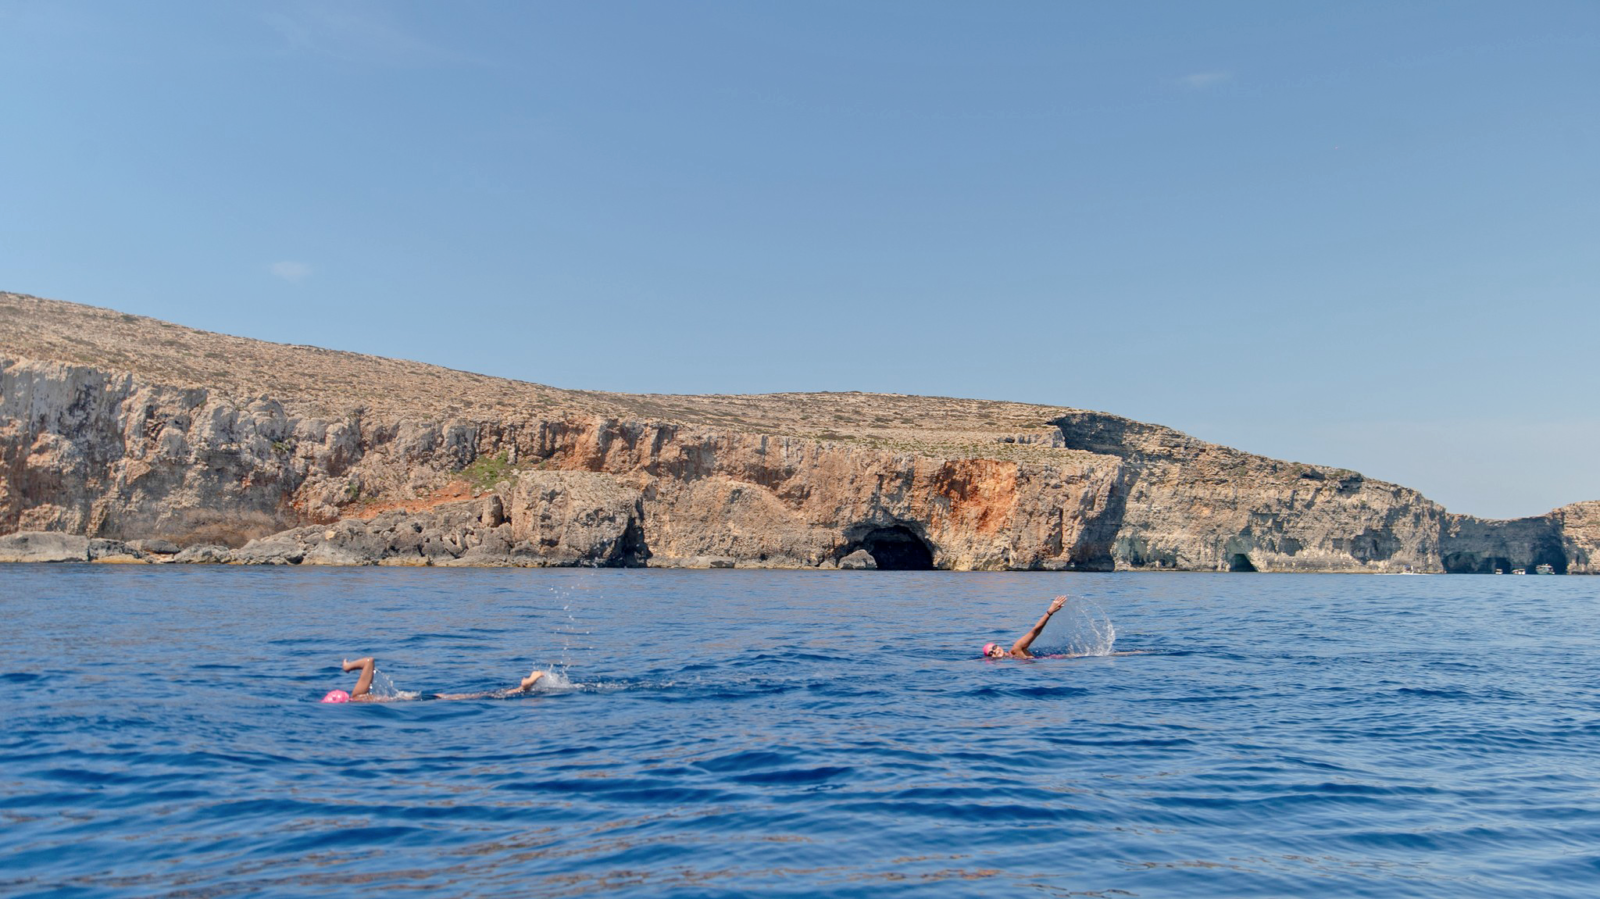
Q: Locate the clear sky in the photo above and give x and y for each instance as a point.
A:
(1356, 234)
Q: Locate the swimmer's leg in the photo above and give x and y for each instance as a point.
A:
(364, 682)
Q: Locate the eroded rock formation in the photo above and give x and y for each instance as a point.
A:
(345, 461)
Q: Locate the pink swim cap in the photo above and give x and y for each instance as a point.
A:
(986, 648)
(336, 696)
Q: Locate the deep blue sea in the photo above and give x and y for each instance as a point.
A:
(730, 733)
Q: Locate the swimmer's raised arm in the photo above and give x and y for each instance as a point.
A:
(1020, 648)
(364, 682)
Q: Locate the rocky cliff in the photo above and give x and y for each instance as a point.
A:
(127, 439)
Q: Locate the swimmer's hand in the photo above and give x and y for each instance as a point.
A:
(531, 679)
(358, 663)
(1056, 605)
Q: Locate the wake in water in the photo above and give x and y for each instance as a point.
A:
(384, 690)
(377, 686)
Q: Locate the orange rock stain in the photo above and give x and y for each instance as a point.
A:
(982, 493)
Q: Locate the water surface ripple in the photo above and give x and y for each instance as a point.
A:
(796, 733)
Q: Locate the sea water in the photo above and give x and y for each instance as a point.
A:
(796, 733)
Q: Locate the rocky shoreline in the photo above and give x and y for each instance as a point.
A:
(118, 444)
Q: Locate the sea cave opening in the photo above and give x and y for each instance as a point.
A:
(1549, 552)
(896, 549)
(1240, 562)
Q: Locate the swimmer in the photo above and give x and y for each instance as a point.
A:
(362, 691)
(1019, 649)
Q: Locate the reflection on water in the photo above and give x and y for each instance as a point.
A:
(730, 733)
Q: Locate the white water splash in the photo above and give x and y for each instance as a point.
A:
(383, 688)
(572, 636)
(552, 681)
(1088, 629)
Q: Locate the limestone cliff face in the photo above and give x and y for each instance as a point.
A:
(92, 452)
(1580, 537)
(347, 460)
(1192, 505)
(1187, 504)
(105, 455)
(711, 494)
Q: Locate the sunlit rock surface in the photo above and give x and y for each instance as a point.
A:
(167, 444)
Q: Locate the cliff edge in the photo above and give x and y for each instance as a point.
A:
(124, 438)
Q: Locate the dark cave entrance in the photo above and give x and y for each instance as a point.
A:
(1544, 551)
(896, 549)
(1472, 563)
(1548, 551)
(1240, 562)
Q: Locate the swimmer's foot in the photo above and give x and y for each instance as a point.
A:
(530, 680)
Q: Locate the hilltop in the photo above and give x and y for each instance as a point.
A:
(331, 382)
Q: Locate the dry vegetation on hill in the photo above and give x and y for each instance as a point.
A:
(332, 381)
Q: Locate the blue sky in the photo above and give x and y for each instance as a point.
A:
(1357, 234)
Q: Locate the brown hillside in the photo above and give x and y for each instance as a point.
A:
(332, 381)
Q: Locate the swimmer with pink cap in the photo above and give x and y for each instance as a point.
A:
(362, 691)
(1019, 649)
